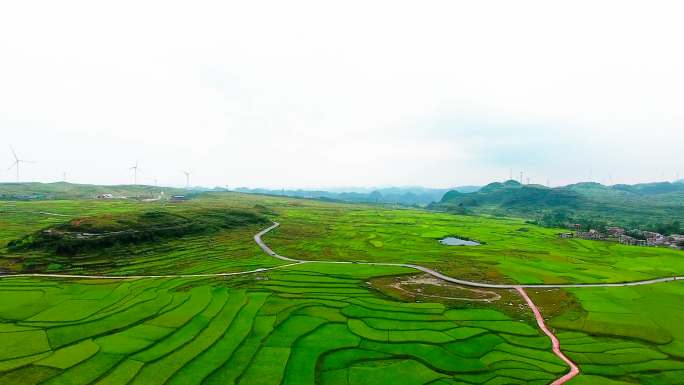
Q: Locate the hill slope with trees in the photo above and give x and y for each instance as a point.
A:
(646, 206)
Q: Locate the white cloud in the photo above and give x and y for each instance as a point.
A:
(354, 93)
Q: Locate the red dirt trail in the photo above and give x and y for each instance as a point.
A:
(574, 369)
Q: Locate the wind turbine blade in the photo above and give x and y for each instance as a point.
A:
(12, 166)
(14, 153)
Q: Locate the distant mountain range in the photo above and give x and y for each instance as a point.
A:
(661, 202)
(411, 196)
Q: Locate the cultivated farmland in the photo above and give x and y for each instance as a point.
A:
(321, 323)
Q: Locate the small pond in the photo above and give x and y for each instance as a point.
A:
(453, 241)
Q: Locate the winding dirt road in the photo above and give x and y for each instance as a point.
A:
(555, 344)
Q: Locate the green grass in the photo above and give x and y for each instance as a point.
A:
(392, 372)
(320, 230)
(536, 255)
(71, 355)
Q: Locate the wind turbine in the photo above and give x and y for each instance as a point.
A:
(135, 173)
(17, 162)
(187, 179)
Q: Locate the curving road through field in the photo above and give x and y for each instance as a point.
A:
(434, 273)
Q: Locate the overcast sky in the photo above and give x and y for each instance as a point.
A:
(346, 93)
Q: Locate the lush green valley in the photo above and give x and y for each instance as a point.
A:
(226, 312)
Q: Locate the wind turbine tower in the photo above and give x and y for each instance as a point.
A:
(17, 162)
(135, 173)
(187, 179)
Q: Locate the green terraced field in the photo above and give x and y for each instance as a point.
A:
(329, 323)
(256, 330)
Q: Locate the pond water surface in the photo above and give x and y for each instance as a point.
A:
(453, 241)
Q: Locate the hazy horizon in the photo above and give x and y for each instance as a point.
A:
(331, 189)
(350, 94)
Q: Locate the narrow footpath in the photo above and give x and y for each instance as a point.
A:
(555, 344)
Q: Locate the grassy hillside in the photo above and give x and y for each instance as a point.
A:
(140, 243)
(106, 230)
(63, 190)
(641, 205)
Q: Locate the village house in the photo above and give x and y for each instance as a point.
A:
(627, 240)
(591, 234)
(615, 231)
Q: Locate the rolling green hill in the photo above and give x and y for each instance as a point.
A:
(106, 230)
(641, 205)
(63, 190)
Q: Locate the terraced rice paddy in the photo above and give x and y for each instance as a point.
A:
(303, 325)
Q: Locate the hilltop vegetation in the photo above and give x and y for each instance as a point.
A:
(63, 190)
(95, 232)
(650, 205)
